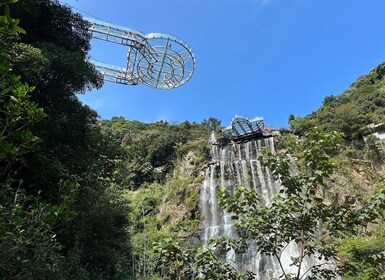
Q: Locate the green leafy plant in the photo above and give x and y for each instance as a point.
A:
(299, 213)
(175, 262)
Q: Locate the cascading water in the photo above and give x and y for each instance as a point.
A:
(239, 165)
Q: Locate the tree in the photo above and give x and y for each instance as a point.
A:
(212, 123)
(28, 246)
(351, 111)
(298, 214)
(365, 255)
(175, 262)
(70, 175)
(374, 149)
(18, 112)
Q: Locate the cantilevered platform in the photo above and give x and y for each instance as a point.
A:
(243, 129)
(156, 60)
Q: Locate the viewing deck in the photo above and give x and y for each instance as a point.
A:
(242, 128)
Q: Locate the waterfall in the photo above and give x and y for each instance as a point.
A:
(231, 166)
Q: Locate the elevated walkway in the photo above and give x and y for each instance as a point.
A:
(243, 129)
(156, 60)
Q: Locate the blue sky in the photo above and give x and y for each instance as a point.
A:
(267, 58)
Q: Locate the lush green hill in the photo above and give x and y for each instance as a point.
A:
(153, 148)
(86, 199)
(351, 111)
(161, 178)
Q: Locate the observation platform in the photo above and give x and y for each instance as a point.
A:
(156, 60)
(243, 129)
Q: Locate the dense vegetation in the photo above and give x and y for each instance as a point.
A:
(152, 148)
(349, 243)
(88, 199)
(350, 112)
(161, 177)
(349, 201)
(60, 218)
(64, 214)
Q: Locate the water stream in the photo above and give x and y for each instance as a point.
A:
(231, 166)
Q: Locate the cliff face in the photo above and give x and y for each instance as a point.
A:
(166, 169)
(184, 205)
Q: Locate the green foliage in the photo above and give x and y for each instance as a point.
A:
(351, 111)
(28, 244)
(288, 142)
(18, 115)
(298, 213)
(29, 61)
(152, 149)
(160, 210)
(71, 267)
(175, 262)
(209, 267)
(374, 149)
(200, 149)
(58, 201)
(364, 255)
(8, 25)
(212, 123)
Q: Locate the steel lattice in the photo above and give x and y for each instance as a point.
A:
(157, 60)
(242, 126)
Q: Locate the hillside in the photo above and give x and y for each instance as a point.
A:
(164, 172)
(163, 175)
(363, 103)
(84, 198)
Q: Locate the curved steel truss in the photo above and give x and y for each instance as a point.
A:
(157, 60)
(242, 126)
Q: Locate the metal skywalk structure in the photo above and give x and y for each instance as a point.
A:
(241, 127)
(157, 60)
